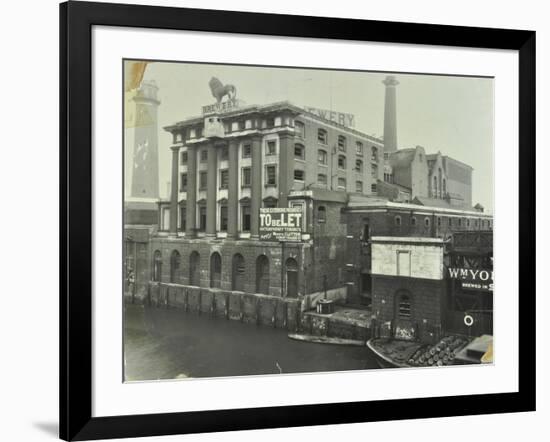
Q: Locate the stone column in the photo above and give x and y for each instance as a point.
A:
(211, 190)
(256, 189)
(191, 203)
(286, 167)
(233, 189)
(174, 191)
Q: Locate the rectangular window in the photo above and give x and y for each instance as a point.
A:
(359, 148)
(299, 129)
(183, 182)
(271, 175)
(247, 149)
(204, 155)
(223, 218)
(299, 152)
(224, 179)
(183, 222)
(373, 188)
(245, 218)
(342, 143)
(322, 179)
(225, 153)
(322, 157)
(202, 218)
(359, 186)
(342, 183)
(245, 177)
(359, 166)
(341, 162)
(322, 136)
(271, 148)
(299, 175)
(184, 158)
(203, 180)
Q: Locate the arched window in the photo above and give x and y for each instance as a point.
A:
(157, 266)
(435, 186)
(299, 151)
(366, 232)
(341, 143)
(427, 222)
(397, 220)
(403, 304)
(215, 270)
(195, 269)
(175, 265)
(291, 277)
(238, 273)
(322, 136)
(321, 214)
(444, 187)
(359, 166)
(341, 161)
(374, 153)
(413, 221)
(262, 275)
(374, 171)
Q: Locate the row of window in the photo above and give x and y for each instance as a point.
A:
(196, 132)
(322, 138)
(270, 179)
(246, 178)
(459, 222)
(223, 214)
(299, 153)
(238, 274)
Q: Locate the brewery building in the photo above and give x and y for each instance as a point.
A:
(363, 222)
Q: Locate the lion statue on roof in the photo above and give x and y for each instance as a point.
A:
(219, 90)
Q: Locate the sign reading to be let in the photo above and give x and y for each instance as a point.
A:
(281, 224)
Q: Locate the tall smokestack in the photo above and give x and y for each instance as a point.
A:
(390, 119)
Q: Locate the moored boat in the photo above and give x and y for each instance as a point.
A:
(395, 353)
(325, 339)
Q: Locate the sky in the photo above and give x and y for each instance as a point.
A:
(450, 114)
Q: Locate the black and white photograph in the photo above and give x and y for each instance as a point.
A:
(283, 220)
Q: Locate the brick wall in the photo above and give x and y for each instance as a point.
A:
(427, 302)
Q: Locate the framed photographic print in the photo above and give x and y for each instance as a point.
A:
(272, 220)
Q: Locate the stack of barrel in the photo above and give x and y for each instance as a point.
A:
(442, 353)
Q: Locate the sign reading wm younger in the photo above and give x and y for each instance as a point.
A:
(473, 279)
(281, 224)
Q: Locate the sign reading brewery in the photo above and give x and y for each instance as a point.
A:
(473, 279)
(347, 120)
(222, 106)
(281, 224)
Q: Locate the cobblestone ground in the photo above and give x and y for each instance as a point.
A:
(167, 344)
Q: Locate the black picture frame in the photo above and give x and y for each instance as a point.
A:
(76, 21)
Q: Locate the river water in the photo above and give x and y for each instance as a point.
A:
(169, 343)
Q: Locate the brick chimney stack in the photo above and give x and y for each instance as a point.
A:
(390, 118)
